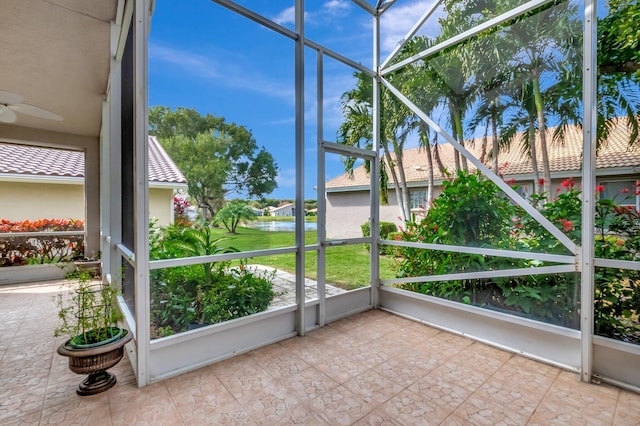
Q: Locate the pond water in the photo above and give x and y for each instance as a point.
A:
(274, 225)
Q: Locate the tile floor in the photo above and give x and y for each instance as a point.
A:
(371, 369)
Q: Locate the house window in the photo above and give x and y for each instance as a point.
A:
(418, 199)
(623, 192)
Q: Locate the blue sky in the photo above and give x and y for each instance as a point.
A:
(204, 57)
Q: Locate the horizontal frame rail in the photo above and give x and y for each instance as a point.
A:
(196, 260)
(618, 264)
(338, 148)
(520, 272)
(484, 251)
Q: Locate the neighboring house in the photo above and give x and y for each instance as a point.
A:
(39, 183)
(618, 167)
(284, 210)
(257, 212)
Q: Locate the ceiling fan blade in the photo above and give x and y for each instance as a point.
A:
(6, 115)
(8, 98)
(35, 111)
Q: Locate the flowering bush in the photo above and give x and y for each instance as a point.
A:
(472, 212)
(16, 249)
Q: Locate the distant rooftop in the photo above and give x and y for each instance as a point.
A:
(566, 158)
(27, 160)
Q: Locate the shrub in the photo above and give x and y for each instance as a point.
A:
(471, 211)
(16, 250)
(206, 293)
(386, 228)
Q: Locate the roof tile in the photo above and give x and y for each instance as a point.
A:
(615, 153)
(38, 161)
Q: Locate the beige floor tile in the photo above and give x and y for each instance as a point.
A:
(448, 395)
(377, 418)
(21, 405)
(409, 408)
(467, 377)
(628, 409)
(309, 383)
(200, 398)
(480, 411)
(373, 388)
(340, 406)
(402, 372)
(151, 405)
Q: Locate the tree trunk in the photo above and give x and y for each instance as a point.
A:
(495, 146)
(396, 184)
(460, 137)
(483, 147)
(531, 135)
(546, 171)
(436, 155)
(406, 213)
(424, 139)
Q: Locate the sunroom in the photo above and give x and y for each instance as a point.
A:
(567, 296)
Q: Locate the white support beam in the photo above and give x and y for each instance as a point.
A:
(374, 193)
(321, 233)
(299, 154)
(589, 99)
(141, 190)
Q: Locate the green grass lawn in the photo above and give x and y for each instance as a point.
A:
(347, 266)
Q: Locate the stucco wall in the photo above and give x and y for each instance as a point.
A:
(22, 201)
(347, 211)
(161, 205)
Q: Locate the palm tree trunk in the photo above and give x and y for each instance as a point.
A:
(483, 147)
(460, 137)
(496, 148)
(396, 185)
(424, 140)
(546, 171)
(436, 155)
(531, 135)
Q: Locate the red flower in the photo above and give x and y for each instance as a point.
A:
(540, 181)
(568, 225)
(599, 188)
(568, 183)
(510, 181)
(624, 190)
(558, 189)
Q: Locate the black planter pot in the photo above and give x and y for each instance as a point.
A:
(95, 362)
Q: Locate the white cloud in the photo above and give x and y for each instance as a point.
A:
(336, 6)
(399, 19)
(197, 64)
(226, 72)
(287, 16)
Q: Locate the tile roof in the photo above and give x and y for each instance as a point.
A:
(37, 161)
(613, 154)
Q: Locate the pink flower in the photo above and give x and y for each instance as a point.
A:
(568, 225)
(624, 190)
(599, 188)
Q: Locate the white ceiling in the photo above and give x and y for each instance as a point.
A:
(55, 54)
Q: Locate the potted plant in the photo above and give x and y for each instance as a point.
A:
(88, 315)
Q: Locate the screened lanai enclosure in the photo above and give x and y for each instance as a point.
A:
(538, 262)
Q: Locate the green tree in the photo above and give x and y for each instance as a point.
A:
(216, 157)
(233, 213)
